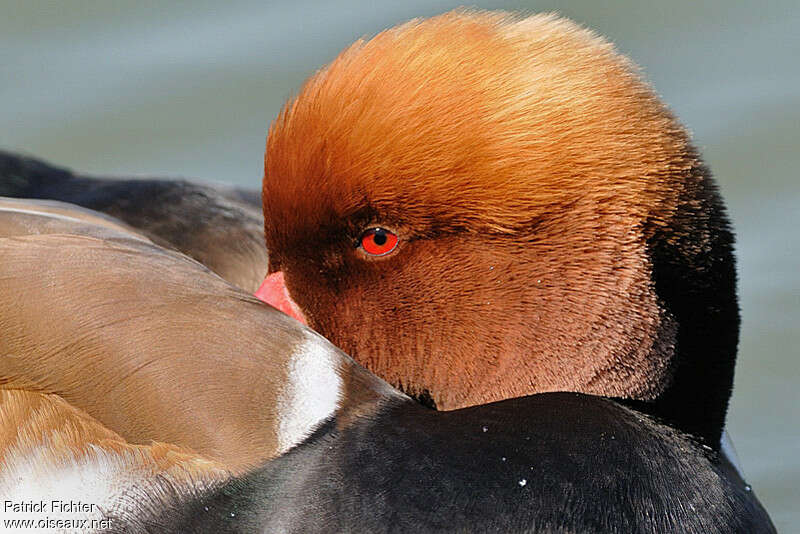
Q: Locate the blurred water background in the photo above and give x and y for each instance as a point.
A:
(188, 89)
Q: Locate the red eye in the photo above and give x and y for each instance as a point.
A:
(378, 241)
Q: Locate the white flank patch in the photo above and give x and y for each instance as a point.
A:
(311, 392)
(67, 495)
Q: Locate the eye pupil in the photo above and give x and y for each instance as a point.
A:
(380, 237)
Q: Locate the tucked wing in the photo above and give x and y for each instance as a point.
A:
(145, 340)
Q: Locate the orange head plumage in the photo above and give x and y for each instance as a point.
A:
(556, 231)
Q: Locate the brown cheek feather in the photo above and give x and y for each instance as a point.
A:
(469, 327)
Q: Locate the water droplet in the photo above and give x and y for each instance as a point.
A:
(522, 482)
(538, 281)
(485, 429)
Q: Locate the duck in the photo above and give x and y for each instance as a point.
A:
(516, 232)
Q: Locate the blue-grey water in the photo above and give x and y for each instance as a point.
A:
(187, 89)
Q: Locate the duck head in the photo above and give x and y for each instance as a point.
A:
(477, 207)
